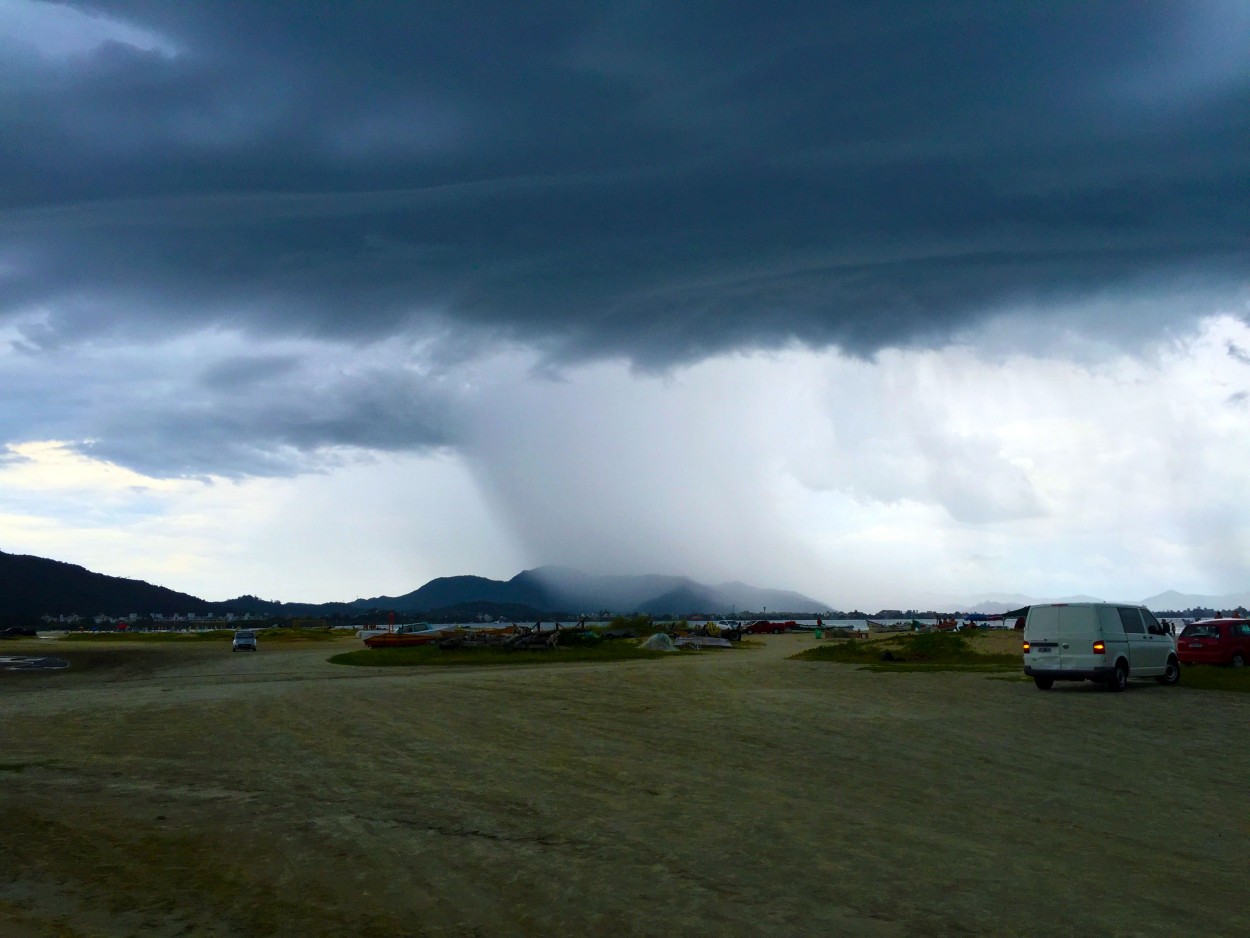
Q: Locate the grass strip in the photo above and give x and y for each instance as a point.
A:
(214, 635)
(899, 666)
(304, 635)
(1214, 677)
(951, 651)
(433, 656)
(217, 635)
(922, 651)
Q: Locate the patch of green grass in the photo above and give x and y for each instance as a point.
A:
(1212, 677)
(922, 651)
(215, 635)
(303, 635)
(851, 651)
(432, 655)
(930, 666)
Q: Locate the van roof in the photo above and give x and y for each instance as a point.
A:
(1091, 602)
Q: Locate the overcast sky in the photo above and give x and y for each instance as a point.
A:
(915, 300)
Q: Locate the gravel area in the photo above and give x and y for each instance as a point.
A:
(185, 790)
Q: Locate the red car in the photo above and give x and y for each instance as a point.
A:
(763, 626)
(1215, 641)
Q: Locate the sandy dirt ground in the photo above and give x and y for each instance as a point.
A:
(186, 790)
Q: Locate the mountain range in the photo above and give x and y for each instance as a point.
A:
(34, 586)
(1170, 600)
(573, 591)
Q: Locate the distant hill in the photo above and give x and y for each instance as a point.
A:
(472, 612)
(1179, 601)
(33, 586)
(678, 593)
(744, 597)
(452, 591)
(1170, 600)
(998, 607)
(572, 592)
(689, 598)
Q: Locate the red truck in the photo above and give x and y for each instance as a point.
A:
(763, 626)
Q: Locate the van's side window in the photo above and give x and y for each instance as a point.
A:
(1131, 620)
(1153, 626)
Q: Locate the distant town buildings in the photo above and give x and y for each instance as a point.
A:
(156, 618)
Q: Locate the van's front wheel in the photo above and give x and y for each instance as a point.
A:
(1172, 674)
(1044, 683)
(1119, 677)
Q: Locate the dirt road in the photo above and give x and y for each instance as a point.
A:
(188, 791)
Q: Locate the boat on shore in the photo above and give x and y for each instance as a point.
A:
(888, 626)
(404, 634)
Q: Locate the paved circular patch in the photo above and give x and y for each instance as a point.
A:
(31, 663)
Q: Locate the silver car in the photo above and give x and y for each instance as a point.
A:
(244, 640)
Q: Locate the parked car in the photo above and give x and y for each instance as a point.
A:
(1215, 641)
(1101, 642)
(765, 627)
(244, 640)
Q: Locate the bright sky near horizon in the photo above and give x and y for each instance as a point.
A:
(880, 304)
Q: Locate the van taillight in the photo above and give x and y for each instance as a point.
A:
(1026, 648)
(1100, 648)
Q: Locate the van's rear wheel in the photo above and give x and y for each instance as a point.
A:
(1044, 683)
(1172, 674)
(1119, 677)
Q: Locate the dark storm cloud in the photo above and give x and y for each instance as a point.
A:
(265, 436)
(643, 179)
(658, 181)
(206, 409)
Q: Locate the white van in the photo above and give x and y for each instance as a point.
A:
(1102, 642)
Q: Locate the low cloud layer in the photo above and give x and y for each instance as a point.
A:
(863, 484)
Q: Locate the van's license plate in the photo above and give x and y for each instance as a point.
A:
(1044, 651)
